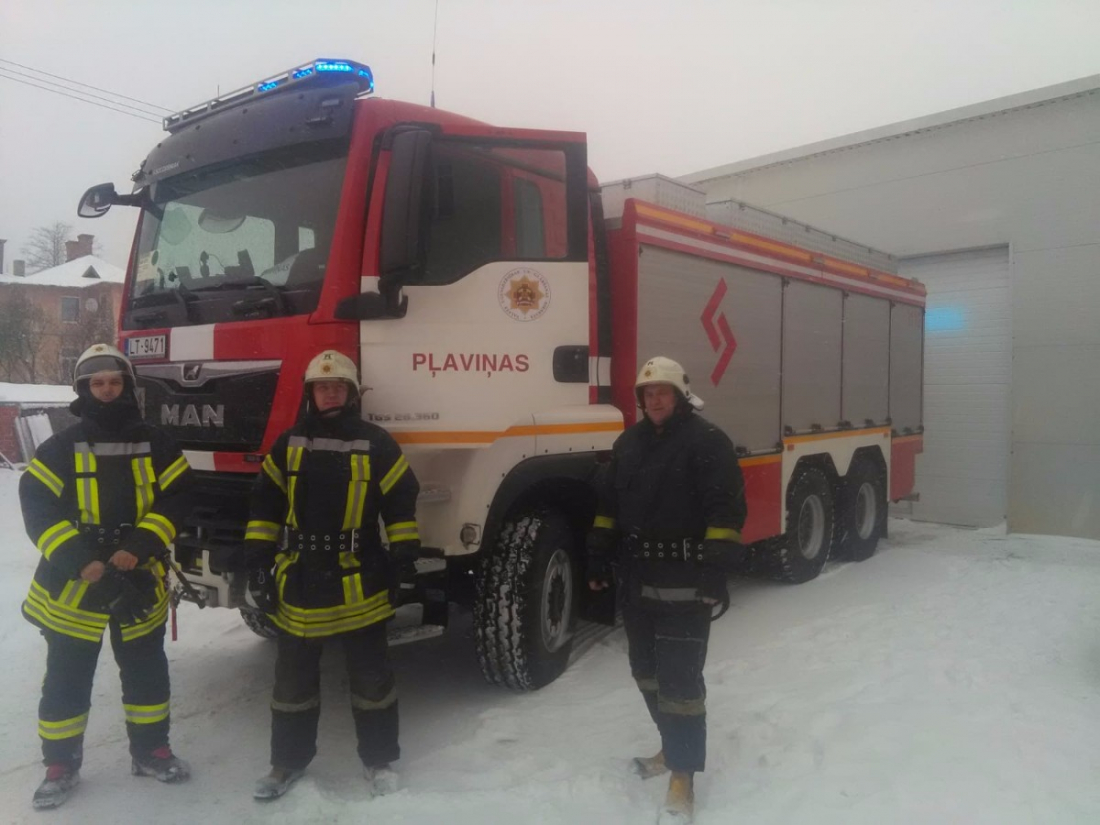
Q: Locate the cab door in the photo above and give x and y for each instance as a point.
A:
(483, 273)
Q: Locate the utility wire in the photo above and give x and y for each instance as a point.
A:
(79, 92)
(86, 85)
(149, 119)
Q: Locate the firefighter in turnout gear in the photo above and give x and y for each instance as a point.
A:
(102, 501)
(668, 524)
(314, 523)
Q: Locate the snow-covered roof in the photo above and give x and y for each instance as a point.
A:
(77, 273)
(35, 393)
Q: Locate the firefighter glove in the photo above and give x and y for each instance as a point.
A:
(261, 592)
(713, 585)
(721, 553)
(403, 556)
(600, 547)
(128, 597)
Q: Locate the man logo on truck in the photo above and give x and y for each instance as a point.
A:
(210, 417)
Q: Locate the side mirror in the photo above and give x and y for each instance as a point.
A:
(402, 244)
(97, 201)
(367, 306)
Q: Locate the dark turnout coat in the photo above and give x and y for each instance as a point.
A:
(315, 510)
(663, 492)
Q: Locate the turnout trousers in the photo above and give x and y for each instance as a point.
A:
(667, 652)
(296, 700)
(67, 693)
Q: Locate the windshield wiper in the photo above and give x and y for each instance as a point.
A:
(273, 303)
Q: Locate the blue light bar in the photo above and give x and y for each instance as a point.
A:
(316, 72)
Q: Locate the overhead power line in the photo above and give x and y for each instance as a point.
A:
(87, 86)
(109, 100)
(146, 117)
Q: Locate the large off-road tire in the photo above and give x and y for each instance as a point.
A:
(861, 511)
(526, 601)
(803, 550)
(259, 622)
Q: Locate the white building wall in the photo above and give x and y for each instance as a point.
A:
(1022, 172)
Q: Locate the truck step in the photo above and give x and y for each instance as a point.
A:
(414, 633)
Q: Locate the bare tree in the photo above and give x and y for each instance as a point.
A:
(21, 335)
(46, 246)
(93, 327)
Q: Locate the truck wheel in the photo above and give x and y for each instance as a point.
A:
(259, 622)
(861, 514)
(804, 548)
(526, 601)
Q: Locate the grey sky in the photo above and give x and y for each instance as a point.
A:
(658, 86)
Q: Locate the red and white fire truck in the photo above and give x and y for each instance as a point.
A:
(498, 304)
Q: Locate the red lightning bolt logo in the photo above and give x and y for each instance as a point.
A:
(719, 332)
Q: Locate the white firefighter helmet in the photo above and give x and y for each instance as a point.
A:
(661, 370)
(101, 358)
(331, 365)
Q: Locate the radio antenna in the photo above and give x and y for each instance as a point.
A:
(435, 28)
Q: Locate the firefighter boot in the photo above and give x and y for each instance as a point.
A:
(162, 764)
(648, 767)
(680, 802)
(59, 783)
(276, 783)
(381, 780)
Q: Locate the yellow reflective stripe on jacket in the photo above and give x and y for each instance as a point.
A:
(353, 589)
(293, 464)
(307, 630)
(44, 474)
(160, 526)
(157, 617)
(604, 522)
(174, 471)
(309, 615)
(145, 714)
(357, 491)
(80, 624)
(72, 593)
(87, 488)
(143, 483)
(722, 534)
(394, 475)
(282, 562)
(53, 537)
(262, 531)
(63, 728)
(402, 531)
(272, 471)
(78, 614)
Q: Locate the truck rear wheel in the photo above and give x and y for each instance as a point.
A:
(805, 547)
(526, 601)
(861, 514)
(259, 622)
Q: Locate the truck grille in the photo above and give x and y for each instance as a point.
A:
(210, 406)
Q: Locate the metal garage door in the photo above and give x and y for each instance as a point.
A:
(962, 476)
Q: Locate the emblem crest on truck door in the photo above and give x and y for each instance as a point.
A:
(524, 294)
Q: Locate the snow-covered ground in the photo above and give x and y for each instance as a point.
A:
(955, 677)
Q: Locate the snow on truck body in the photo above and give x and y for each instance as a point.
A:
(497, 320)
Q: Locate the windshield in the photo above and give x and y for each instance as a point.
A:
(240, 240)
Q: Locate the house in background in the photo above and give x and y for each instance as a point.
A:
(53, 315)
